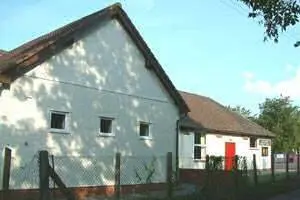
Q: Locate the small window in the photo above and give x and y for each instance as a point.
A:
(58, 121)
(144, 130)
(253, 142)
(199, 139)
(199, 146)
(264, 151)
(106, 126)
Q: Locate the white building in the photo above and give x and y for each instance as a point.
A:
(89, 89)
(212, 129)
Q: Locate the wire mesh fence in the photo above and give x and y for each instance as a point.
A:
(80, 171)
(227, 177)
(143, 169)
(66, 175)
(24, 174)
(216, 175)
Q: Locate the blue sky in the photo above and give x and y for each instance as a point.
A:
(206, 47)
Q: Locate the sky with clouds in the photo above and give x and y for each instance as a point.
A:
(206, 47)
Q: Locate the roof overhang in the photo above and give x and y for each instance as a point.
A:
(188, 124)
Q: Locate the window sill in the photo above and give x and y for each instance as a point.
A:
(254, 148)
(106, 135)
(59, 131)
(145, 138)
(199, 160)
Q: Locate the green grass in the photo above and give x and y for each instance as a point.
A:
(267, 189)
(267, 177)
(261, 192)
(245, 191)
(264, 190)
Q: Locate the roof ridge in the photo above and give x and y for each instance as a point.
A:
(194, 94)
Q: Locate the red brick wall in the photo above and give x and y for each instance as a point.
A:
(199, 177)
(82, 192)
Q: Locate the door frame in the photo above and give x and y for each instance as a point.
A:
(230, 152)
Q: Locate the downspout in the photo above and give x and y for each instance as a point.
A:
(177, 145)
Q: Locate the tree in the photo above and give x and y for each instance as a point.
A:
(281, 117)
(242, 111)
(275, 15)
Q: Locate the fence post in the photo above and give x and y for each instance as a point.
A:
(208, 178)
(272, 167)
(170, 175)
(287, 165)
(53, 181)
(207, 169)
(44, 175)
(298, 163)
(236, 175)
(6, 172)
(118, 176)
(255, 170)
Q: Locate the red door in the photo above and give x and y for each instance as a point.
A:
(229, 155)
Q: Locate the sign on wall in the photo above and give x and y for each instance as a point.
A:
(264, 142)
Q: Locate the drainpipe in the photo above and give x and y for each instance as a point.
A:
(177, 145)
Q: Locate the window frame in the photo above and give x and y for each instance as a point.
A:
(263, 152)
(149, 137)
(256, 143)
(202, 146)
(112, 133)
(66, 129)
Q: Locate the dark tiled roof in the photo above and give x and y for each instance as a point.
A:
(29, 55)
(207, 114)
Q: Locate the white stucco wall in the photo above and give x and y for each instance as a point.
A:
(215, 146)
(102, 74)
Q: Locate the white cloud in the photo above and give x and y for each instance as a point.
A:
(289, 68)
(248, 75)
(289, 87)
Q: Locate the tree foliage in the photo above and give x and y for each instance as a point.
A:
(275, 15)
(281, 117)
(242, 111)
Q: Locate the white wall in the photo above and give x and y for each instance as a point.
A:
(215, 145)
(102, 74)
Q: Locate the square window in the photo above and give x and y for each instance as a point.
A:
(106, 125)
(144, 130)
(253, 142)
(58, 121)
(264, 151)
(199, 138)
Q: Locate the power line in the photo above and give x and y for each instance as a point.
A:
(243, 11)
(232, 7)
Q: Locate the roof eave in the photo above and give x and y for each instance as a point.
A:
(198, 127)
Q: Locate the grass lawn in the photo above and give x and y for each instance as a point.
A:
(264, 190)
(266, 177)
